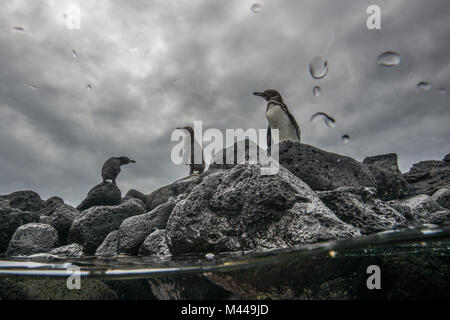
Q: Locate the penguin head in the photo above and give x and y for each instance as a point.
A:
(270, 94)
(125, 160)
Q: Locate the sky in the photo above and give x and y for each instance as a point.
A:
(135, 70)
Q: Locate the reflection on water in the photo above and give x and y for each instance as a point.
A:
(431, 240)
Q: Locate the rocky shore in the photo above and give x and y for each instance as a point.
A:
(315, 196)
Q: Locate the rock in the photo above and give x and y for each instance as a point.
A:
(439, 217)
(54, 289)
(96, 223)
(422, 207)
(358, 207)
(50, 205)
(103, 194)
(240, 209)
(186, 287)
(33, 238)
(45, 220)
(136, 194)
(61, 219)
(109, 246)
(390, 182)
(163, 194)
(70, 250)
(426, 177)
(385, 161)
(29, 217)
(25, 200)
(10, 220)
(155, 244)
(323, 170)
(134, 230)
(442, 196)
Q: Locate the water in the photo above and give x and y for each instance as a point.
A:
(317, 91)
(424, 85)
(318, 67)
(389, 59)
(256, 8)
(408, 241)
(327, 119)
(345, 138)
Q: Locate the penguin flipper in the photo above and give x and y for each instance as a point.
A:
(293, 121)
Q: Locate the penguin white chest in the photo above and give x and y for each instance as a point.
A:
(278, 119)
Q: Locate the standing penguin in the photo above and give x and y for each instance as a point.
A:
(111, 167)
(279, 117)
(191, 146)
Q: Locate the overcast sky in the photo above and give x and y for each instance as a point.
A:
(156, 65)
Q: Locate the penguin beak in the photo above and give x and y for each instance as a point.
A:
(132, 161)
(259, 94)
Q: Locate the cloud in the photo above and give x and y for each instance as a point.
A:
(156, 65)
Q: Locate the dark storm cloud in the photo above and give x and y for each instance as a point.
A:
(156, 65)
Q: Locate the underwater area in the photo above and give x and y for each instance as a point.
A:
(135, 141)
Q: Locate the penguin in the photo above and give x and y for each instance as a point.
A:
(111, 167)
(279, 117)
(189, 148)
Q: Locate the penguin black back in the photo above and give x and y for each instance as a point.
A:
(111, 167)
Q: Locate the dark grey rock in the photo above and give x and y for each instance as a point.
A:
(61, 219)
(322, 170)
(422, 207)
(136, 194)
(186, 287)
(427, 177)
(240, 209)
(134, 230)
(439, 217)
(50, 205)
(163, 194)
(387, 162)
(29, 216)
(25, 200)
(97, 222)
(390, 182)
(359, 207)
(103, 194)
(33, 238)
(10, 220)
(109, 246)
(442, 196)
(155, 244)
(70, 250)
(45, 220)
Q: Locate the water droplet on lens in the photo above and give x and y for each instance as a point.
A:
(442, 91)
(329, 121)
(424, 85)
(209, 256)
(31, 86)
(89, 87)
(256, 8)
(389, 59)
(318, 67)
(316, 91)
(345, 138)
(74, 53)
(17, 28)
